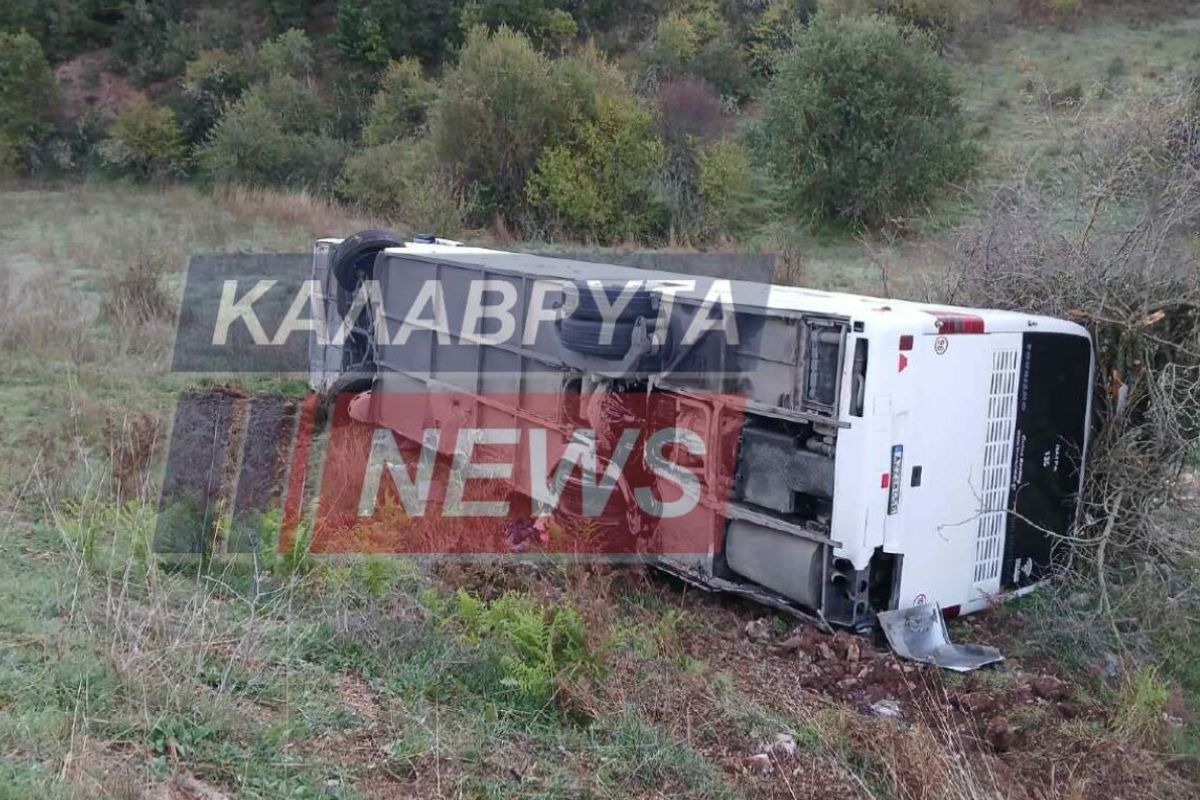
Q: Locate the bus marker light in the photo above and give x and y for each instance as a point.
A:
(948, 322)
(906, 342)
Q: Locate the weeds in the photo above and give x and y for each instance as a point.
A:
(536, 649)
(134, 292)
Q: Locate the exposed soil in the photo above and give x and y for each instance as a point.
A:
(1033, 730)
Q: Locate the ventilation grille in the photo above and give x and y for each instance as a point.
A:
(997, 467)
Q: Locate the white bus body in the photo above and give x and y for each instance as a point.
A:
(954, 437)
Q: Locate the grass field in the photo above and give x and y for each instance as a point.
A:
(384, 678)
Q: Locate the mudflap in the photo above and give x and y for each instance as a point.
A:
(919, 634)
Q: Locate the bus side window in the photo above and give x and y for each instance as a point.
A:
(858, 381)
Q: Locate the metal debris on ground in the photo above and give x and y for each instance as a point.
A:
(886, 709)
(919, 634)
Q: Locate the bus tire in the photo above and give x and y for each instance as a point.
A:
(354, 259)
(583, 336)
(638, 306)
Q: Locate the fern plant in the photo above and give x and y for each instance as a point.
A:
(535, 647)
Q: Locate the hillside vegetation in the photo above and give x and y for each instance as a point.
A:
(655, 121)
(1037, 154)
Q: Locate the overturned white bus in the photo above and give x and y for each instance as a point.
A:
(875, 454)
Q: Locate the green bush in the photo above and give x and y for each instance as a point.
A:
(211, 83)
(599, 186)
(723, 183)
(295, 104)
(862, 121)
(938, 18)
(399, 108)
(700, 43)
(585, 75)
(721, 62)
(498, 108)
(534, 647)
(27, 92)
(543, 22)
(287, 14)
(63, 27)
(145, 141)
(158, 38)
(771, 32)
(371, 33)
(276, 134)
(400, 180)
(290, 53)
(676, 42)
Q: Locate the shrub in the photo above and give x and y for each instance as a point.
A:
(498, 109)
(688, 108)
(938, 18)
(690, 117)
(771, 32)
(134, 294)
(146, 141)
(399, 179)
(212, 82)
(720, 62)
(289, 53)
(700, 44)
(1066, 9)
(275, 135)
(361, 35)
(599, 186)
(723, 183)
(535, 648)
(373, 32)
(676, 42)
(862, 121)
(287, 14)
(295, 104)
(538, 19)
(399, 108)
(157, 39)
(27, 92)
(63, 27)
(559, 28)
(585, 75)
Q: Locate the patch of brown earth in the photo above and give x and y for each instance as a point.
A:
(1032, 733)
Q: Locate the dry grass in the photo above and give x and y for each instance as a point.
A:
(39, 316)
(298, 209)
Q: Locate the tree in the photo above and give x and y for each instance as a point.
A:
(212, 82)
(399, 108)
(371, 33)
(27, 93)
(145, 140)
(400, 179)
(276, 134)
(498, 109)
(545, 22)
(599, 185)
(862, 121)
(287, 14)
(289, 53)
(63, 27)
